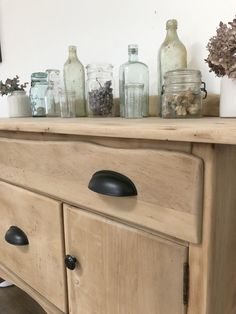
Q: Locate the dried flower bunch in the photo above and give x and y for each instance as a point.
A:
(222, 50)
(11, 85)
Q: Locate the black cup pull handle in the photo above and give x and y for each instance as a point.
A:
(70, 262)
(16, 236)
(112, 183)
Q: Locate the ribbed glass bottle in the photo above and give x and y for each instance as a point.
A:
(134, 86)
(74, 80)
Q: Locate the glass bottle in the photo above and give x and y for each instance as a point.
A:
(182, 94)
(52, 96)
(172, 53)
(74, 80)
(134, 86)
(39, 85)
(100, 86)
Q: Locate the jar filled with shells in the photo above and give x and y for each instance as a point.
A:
(182, 94)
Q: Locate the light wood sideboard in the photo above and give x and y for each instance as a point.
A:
(166, 247)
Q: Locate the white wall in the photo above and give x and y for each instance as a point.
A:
(35, 34)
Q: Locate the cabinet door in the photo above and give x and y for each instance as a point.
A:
(29, 217)
(121, 270)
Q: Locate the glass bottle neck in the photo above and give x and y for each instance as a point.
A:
(73, 56)
(171, 34)
(133, 57)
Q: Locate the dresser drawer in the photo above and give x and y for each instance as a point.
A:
(28, 217)
(169, 184)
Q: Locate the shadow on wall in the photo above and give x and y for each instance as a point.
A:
(193, 51)
(196, 61)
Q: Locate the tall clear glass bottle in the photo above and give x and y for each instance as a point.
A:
(172, 53)
(134, 86)
(74, 80)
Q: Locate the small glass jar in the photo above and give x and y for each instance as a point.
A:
(38, 90)
(182, 94)
(68, 104)
(99, 86)
(52, 95)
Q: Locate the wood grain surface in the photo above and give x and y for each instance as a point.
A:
(120, 269)
(203, 130)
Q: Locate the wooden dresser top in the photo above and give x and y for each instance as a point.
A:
(204, 130)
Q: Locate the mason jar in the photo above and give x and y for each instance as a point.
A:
(39, 85)
(182, 94)
(99, 90)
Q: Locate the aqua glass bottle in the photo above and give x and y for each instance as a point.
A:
(134, 86)
(74, 80)
(172, 53)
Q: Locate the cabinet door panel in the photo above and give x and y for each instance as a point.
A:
(40, 263)
(121, 270)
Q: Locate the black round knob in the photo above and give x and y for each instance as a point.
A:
(70, 262)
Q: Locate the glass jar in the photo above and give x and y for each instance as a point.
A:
(68, 104)
(39, 85)
(182, 94)
(52, 96)
(100, 86)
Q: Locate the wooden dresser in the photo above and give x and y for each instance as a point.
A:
(116, 216)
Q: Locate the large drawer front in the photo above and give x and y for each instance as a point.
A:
(169, 184)
(40, 263)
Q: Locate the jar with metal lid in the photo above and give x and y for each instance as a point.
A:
(39, 85)
(182, 94)
(100, 86)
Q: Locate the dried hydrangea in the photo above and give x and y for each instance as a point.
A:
(222, 50)
(11, 85)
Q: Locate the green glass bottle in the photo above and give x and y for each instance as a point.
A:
(74, 80)
(134, 86)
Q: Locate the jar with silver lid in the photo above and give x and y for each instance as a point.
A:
(182, 94)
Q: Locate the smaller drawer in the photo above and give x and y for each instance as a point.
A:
(40, 263)
(169, 184)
